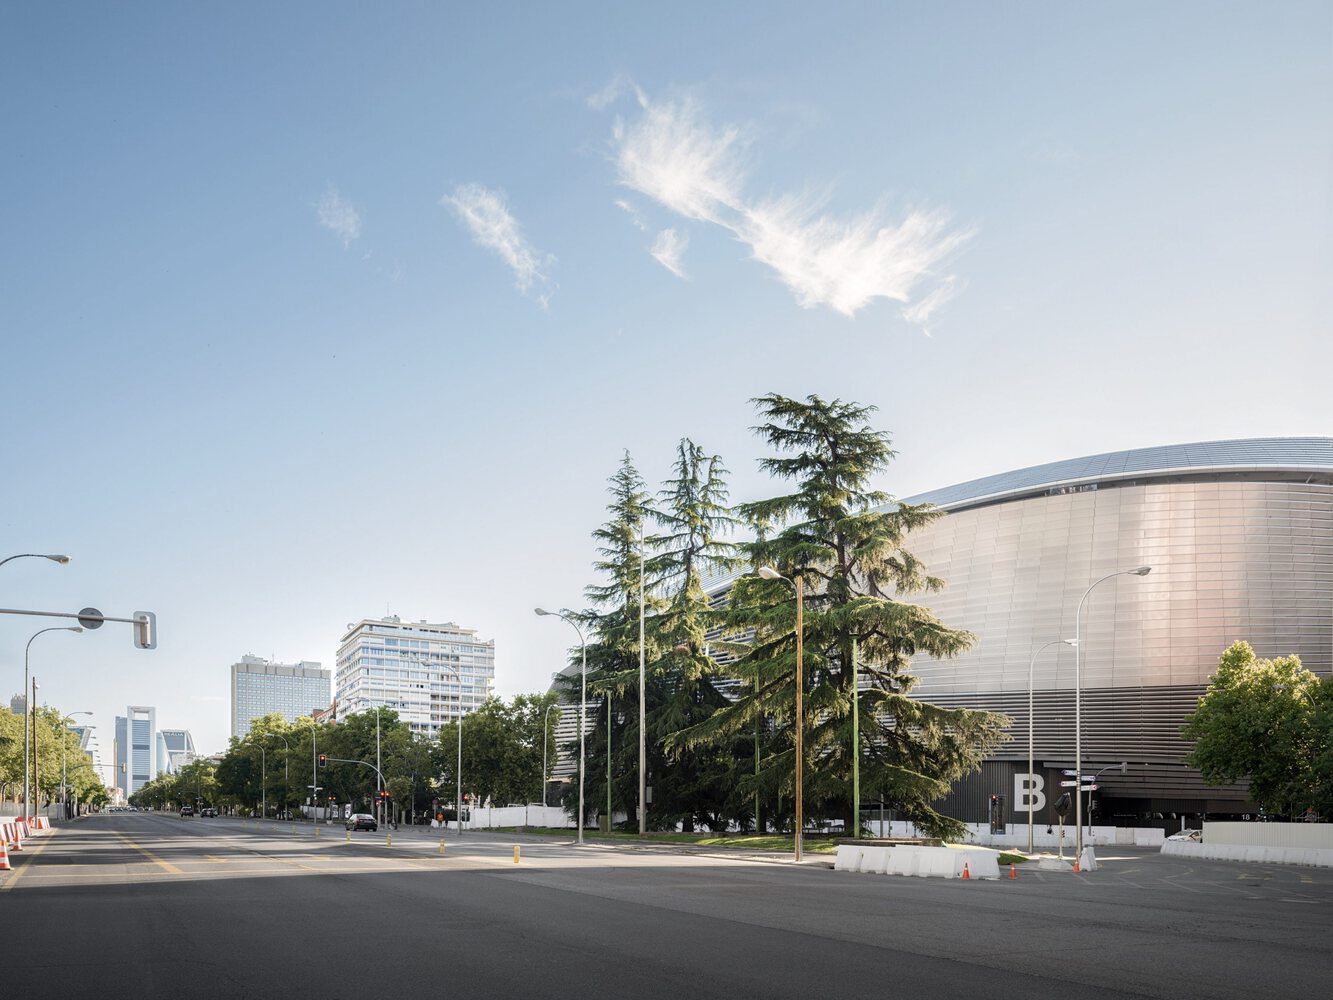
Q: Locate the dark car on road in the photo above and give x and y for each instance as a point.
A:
(208, 811)
(362, 821)
(187, 810)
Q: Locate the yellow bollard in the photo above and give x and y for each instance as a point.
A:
(388, 840)
(316, 833)
(349, 836)
(515, 854)
(441, 848)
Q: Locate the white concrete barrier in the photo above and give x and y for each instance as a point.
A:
(1149, 836)
(905, 860)
(980, 864)
(876, 859)
(849, 858)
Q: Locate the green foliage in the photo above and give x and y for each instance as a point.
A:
(53, 738)
(845, 543)
(1271, 722)
(502, 750)
(194, 784)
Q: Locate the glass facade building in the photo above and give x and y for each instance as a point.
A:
(260, 687)
(431, 674)
(137, 754)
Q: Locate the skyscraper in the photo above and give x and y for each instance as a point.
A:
(260, 687)
(136, 748)
(431, 674)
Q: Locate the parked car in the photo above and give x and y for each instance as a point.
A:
(1191, 835)
(187, 810)
(362, 821)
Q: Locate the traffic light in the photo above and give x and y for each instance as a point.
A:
(323, 760)
(466, 798)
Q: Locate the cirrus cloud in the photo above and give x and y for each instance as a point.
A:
(485, 215)
(669, 152)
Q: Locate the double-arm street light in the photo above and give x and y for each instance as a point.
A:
(64, 802)
(1078, 701)
(1031, 778)
(32, 708)
(769, 573)
(286, 761)
(583, 708)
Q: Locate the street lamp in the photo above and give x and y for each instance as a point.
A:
(1031, 778)
(64, 802)
(36, 555)
(546, 724)
(1078, 703)
(263, 782)
(286, 760)
(583, 707)
(1122, 767)
(32, 709)
(769, 573)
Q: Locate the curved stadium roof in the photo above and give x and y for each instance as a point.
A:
(1311, 455)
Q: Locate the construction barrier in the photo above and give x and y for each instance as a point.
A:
(925, 862)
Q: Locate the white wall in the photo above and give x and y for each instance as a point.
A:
(1017, 835)
(1317, 836)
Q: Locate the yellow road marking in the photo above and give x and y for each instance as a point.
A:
(166, 866)
(17, 873)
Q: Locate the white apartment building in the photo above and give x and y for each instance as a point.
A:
(431, 674)
(260, 687)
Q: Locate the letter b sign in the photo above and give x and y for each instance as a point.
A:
(1025, 785)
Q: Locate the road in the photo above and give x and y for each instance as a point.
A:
(148, 906)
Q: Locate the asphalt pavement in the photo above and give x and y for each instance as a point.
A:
(146, 906)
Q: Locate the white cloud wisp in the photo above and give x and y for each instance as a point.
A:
(339, 216)
(668, 249)
(671, 154)
(492, 226)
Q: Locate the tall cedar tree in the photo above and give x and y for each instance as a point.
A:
(844, 540)
(691, 783)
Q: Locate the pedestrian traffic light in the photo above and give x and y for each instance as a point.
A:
(323, 760)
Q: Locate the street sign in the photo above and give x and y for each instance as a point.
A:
(91, 618)
(1072, 784)
(1086, 777)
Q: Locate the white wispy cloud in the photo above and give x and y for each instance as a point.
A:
(339, 216)
(615, 87)
(672, 154)
(492, 226)
(668, 248)
(633, 214)
(920, 311)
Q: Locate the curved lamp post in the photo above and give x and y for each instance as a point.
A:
(64, 802)
(546, 725)
(1031, 664)
(27, 694)
(36, 555)
(769, 573)
(583, 704)
(1078, 703)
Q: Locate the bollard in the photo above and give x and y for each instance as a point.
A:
(388, 840)
(515, 854)
(316, 833)
(349, 836)
(441, 848)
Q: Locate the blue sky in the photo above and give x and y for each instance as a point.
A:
(311, 311)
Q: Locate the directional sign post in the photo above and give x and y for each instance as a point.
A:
(1086, 786)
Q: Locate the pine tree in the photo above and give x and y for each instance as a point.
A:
(611, 626)
(845, 541)
(690, 783)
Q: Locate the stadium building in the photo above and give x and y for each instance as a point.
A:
(1239, 536)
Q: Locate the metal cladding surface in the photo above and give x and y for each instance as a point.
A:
(1239, 535)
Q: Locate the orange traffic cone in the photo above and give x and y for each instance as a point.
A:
(966, 874)
(1013, 870)
(1075, 863)
(4, 856)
